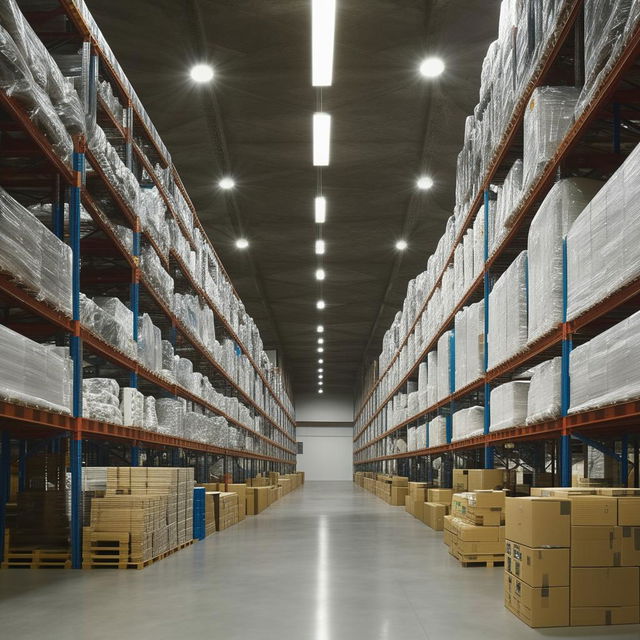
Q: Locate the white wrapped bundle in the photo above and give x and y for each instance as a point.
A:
(603, 245)
(156, 274)
(468, 248)
(469, 352)
(412, 404)
(458, 274)
(132, 407)
(478, 243)
(150, 416)
(447, 291)
(444, 365)
(411, 439)
(547, 118)
(432, 378)
(508, 313)
(558, 211)
(604, 370)
(149, 344)
(438, 431)
(100, 400)
(544, 401)
(423, 376)
(421, 436)
(170, 414)
(507, 202)
(509, 405)
(468, 423)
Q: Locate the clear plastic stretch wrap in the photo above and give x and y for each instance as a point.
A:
(117, 331)
(509, 405)
(507, 202)
(156, 274)
(152, 210)
(468, 423)
(468, 248)
(444, 365)
(544, 391)
(508, 313)
(603, 245)
(132, 407)
(100, 400)
(184, 374)
(432, 378)
(605, 370)
(150, 415)
(34, 374)
(170, 416)
(114, 105)
(34, 256)
(478, 243)
(423, 377)
(547, 118)
(411, 439)
(168, 370)
(558, 211)
(469, 351)
(149, 344)
(458, 274)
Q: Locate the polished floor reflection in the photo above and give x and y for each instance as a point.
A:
(328, 562)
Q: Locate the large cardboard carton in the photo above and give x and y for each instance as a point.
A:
(629, 512)
(473, 533)
(399, 481)
(440, 495)
(537, 606)
(467, 548)
(630, 543)
(257, 500)
(604, 587)
(596, 546)
(598, 616)
(594, 510)
(460, 480)
(537, 567)
(485, 479)
(538, 522)
(398, 495)
(434, 514)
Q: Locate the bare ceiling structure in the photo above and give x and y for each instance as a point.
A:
(254, 122)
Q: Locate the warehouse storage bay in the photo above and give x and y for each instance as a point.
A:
(320, 319)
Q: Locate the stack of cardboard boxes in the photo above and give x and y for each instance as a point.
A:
(414, 501)
(437, 507)
(392, 489)
(573, 557)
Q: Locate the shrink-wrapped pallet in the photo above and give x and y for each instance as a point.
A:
(432, 378)
(507, 334)
(509, 405)
(170, 414)
(468, 423)
(605, 370)
(150, 416)
(104, 324)
(557, 213)
(468, 248)
(445, 345)
(438, 431)
(149, 344)
(411, 439)
(161, 282)
(421, 436)
(544, 401)
(603, 245)
(469, 351)
(423, 377)
(101, 400)
(478, 243)
(506, 207)
(132, 407)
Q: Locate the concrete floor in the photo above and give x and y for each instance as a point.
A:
(328, 562)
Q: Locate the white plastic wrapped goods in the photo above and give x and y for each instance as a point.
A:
(132, 407)
(97, 385)
(508, 313)
(558, 211)
(412, 404)
(509, 405)
(170, 414)
(411, 439)
(458, 274)
(184, 373)
(603, 245)
(605, 370)
(33, 374)
(544, 402)
(507, 202)
(168, 360)
(478, 243)
(432, 378)
(156, 274)
(150, 416)
(100, 400)
(103, 324)
(469, 352)
(468, 423)
(547, 119)
(34, 256)
(444, 365)
(421, 436)
(438, 431)
(422, 376)
(468, 248)
(149, 344)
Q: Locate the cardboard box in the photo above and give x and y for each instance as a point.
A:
(630, 546)
(537, 606)
(596, 546)
(399, 481)
(487, 499)
(537, 567)
(594, 510)
(604, 587)
(598, 616)
(257, 500)
(467, 548)
(447, 537)
(538, 522)
(398, 495)
(439, 495)
(485, 516)
(460, 480)
(485, 479)
(629, 512)
(434, 514)
(472, 533)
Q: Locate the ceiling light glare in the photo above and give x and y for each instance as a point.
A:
(320, 304)
(320, 247)
(424, 182)
(320, 369)
(320, 361)
(201, 73)
(431, 67)
(320, 376)
(242, 243)
(320, 274)
(321, 139)
(401, 245)
(323, 28)
(320, 328)
(321, 209)
(320, 383)
(319, 390)
(320, 349)
(227, 183)
(320, 340)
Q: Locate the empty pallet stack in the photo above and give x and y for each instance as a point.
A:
(573, 557)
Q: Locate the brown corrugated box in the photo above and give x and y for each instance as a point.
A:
(537, 567)
(434, 514)
(538, 522)
(537, 607)
(596, 546)
(605, 587)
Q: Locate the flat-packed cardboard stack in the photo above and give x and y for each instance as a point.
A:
(474, 532)
(415, 499)
(437, 506)
(145, 513)
(573, 557)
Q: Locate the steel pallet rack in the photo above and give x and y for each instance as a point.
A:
(606, 429)
(110, 267)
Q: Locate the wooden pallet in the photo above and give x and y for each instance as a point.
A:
(119, 562)
(480, 560)
(29, 558)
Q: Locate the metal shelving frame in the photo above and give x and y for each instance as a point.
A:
(615, 422)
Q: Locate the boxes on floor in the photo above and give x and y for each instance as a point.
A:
(538, 522)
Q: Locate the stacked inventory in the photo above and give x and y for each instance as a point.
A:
(437, 507)
(415, 500)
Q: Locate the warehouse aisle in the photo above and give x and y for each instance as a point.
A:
(327, 562)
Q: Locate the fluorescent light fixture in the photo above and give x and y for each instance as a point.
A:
(227, 183)
(242, 243)
(320, 247)
(431, 67)
(401, 245)
(424, 182)
(320, 304)
(320, 369)
(320, 361)
(320, 383)
(320, 340)
(321, 139)
(320, 349)
(323, 28)
(201, 73)
(319, 390)
(320, 376)
(320, 328)
(321, 209)
(320, 274)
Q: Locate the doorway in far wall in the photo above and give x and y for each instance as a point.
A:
(327, 453)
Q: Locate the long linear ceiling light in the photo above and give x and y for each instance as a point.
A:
(321, 139)
(321, 209)
(323, 28)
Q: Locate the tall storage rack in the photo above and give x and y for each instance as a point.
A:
(593, 143)
(103, 264)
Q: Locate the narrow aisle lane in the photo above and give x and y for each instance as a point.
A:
(327, 562)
